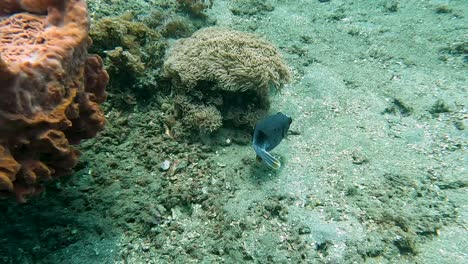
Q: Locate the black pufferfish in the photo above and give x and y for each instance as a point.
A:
(268, 133)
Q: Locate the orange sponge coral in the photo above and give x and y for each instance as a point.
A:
(50, 90)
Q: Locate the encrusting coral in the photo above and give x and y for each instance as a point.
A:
(230, 70)
(50, 91)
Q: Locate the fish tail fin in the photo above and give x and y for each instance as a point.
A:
(271, 161)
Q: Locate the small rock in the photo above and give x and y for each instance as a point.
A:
(359, 157)
(303, 230)
(165, 165)
(145, 247)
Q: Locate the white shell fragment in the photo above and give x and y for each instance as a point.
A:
(165, 165)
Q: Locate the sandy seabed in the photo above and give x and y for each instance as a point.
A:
(374, 169)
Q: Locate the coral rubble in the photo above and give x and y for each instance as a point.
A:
(50, 91)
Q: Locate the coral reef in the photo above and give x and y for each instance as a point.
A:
(228, 70)
(50, 92)
(131, 37)
(133, 53)
(195, 7)
(171, 18)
